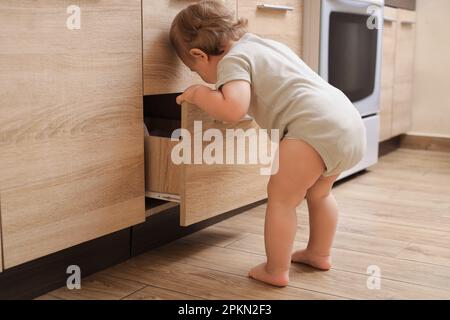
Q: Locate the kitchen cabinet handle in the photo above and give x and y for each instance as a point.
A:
(275, 7)
(379, 3)
(386, 19)
(408, 22)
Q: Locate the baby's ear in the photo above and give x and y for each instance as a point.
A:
(198, 54)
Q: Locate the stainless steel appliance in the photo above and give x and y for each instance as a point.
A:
(350, 59)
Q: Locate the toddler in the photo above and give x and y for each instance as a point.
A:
(321, 132)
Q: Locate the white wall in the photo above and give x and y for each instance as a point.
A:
(431, 100)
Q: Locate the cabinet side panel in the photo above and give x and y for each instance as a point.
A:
(387, 73)
(404, 68)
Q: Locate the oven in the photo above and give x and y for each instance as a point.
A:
(350, 60)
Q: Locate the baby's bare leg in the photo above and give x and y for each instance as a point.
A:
(323, 217)
(300, 167)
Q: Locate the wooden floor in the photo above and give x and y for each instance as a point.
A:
(396, 216)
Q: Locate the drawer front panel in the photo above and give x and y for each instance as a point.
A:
(280, 20)
(212, 189)
(163, 70)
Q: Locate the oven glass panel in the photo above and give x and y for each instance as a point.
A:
(352, 55)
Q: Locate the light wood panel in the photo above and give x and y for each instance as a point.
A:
(71, 160)
(404, 66)
(163, 70)
(163, 176)
(431, 100)
(387, 72)
(311, 33)
(280, 25)
(212, 189)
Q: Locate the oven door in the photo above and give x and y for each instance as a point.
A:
(350, 51)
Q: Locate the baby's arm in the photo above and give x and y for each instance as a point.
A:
(229, 104)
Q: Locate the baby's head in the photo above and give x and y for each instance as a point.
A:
(203, 33)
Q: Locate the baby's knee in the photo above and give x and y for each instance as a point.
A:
(321, 189)
(280, 196)
(317, 194)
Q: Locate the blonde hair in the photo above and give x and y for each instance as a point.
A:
(208, 25)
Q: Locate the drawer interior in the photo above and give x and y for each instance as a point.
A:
(162, 116)
(155, 206)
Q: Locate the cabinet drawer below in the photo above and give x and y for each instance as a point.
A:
(203, 189)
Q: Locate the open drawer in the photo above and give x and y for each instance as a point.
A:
(203, 190)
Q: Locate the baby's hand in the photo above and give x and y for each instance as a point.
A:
(188, 95)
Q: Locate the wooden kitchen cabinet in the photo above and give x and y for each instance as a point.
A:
(388, 72)
(279, 20)
(163, 70)
(203, 190)
(71, 136)
(397, 72)
(404, 68)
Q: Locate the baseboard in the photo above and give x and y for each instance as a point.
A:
(418, 142)
(389, 146)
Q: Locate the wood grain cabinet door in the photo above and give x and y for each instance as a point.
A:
(279, 20)
(71, 132)
(163, 70)
(387, 72)
(404, 68)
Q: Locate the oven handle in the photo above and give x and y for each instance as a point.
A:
(379, 3)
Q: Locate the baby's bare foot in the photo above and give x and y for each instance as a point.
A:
(307, 257)
(260, 273)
